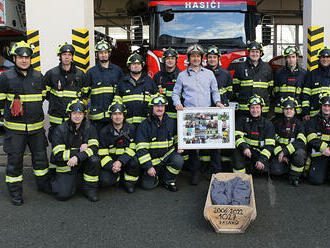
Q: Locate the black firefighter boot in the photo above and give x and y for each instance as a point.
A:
(15, 192)
(90, 191)
(129, 186)
(43, 183)
(294, 180)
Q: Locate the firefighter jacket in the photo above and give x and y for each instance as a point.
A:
(66, 142)
(318, 134)
(165, 82)
(249, 80)
(116, 145)
(155, 140)
(289, 135)
(63, 87)
(288, 83)
(317, 81)
(225, 84)
(256, 133)
(102, 83)
(30, 91)
(136, 94)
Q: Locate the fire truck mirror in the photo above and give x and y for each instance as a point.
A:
(167, 15)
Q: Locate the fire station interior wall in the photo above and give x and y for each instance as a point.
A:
(316, 13)
(55, 21)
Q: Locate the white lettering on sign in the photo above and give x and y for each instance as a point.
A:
(202, 5)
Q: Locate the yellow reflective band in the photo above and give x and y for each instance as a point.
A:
(135, 119)
(325, 137)
(105, 160)
(145, 158)
(52, 166)
(251, 141)
(311, 136)
(161, 144)
(168, 93)
(241, 171)
(305, 104)
(205, 158)
(288, 89)
(95, 117)
(89, 178)
(156, 161)
(130, 178)
(14, 179)
(3, 96)
(103, 152)
(225, 159)
(66, 155)
(58, 148)
(243, 107)
(245, 83)
(85, 89)
(269, 142)
(40, 173)
(266, 153)
(315, 153)
(26, 98)
(132, 145)
(239, 133)
(129, 151)
(172, 170)
(64, 93)
(323, 147)
(222, 91)
(63, 169)
(265, 109)
(56, 120)
(118, 99)
(277, 150)
(102, 90)
(314, 112)
(261, 85)
(24, 127)
(296, 169)
(278, 110)
(159, 160)
(229, 88)
(172, 115)
(319, 90)
(89, 152)
(307, 91)
(271, 83)
(130, 98)
(290, 148)
(302, 137)
(93, 142)
(185, 157)
(239, 141)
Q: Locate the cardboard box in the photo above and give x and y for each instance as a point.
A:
(230, 218)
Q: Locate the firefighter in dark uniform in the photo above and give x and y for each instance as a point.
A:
(225, 82)
(318, 138)
(135, 90)
(22, 90)
(102, 81)
(165, 79)
(117, 150)
(253, 77)
(64, 83)
(289, 80)
(255, 139)
(290, 150)
(75, 148)
(156, 140)
(317, 81)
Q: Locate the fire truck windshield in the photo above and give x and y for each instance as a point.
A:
(224, 29)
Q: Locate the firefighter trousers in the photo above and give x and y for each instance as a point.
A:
(130, 173)
(295, 166)
(319, 170)
(14, 146)
(166, 171)
(195, 163)
(67, 179)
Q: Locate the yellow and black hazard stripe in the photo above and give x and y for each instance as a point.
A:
(80, 41)
(314, 43)
(33, 39)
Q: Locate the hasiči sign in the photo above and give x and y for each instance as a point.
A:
(202, 5)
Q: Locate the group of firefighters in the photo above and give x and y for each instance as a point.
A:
(127, 134)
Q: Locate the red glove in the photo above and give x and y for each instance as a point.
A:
(16, 107)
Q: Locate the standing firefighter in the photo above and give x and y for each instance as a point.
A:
(318, 138)
(255, 139)
(135, 90)
(317, 81)
(225, 82)
(289, 80)
(253, 77)
(75, 148)
(102, 81)
(290, 153)
(117, 150)
(156, 140)
(22, 90)
(166, 78)
(64, 83)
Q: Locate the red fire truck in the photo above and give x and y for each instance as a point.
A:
(227, 24)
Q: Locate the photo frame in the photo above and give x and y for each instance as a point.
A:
(206, 128)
